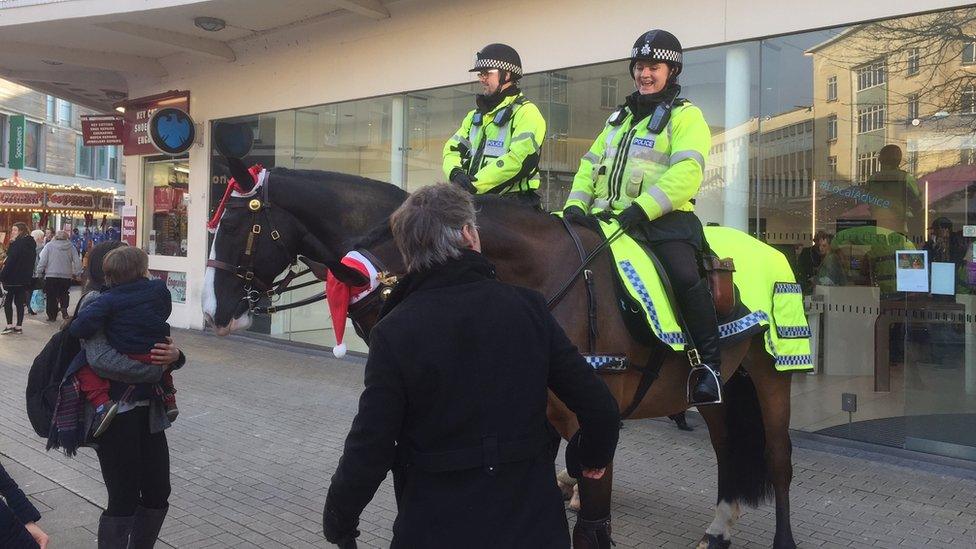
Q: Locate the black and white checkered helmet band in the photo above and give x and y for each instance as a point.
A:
(656, 54)
(483, 64)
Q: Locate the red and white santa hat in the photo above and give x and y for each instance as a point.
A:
(342, 295)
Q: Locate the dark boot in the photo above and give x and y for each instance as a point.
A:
(145, 527)
(681, 421)
(698, 310)
(592, 534)
(113, 532)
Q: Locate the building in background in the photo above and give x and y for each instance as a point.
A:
(801, 97)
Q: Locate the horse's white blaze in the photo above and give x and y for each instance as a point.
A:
(725, 516)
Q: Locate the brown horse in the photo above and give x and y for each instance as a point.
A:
(749, 431)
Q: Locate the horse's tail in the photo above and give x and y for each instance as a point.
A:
(748, 479)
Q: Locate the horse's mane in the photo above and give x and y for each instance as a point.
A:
(341, 179)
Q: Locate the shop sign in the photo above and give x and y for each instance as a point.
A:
(71, 200)
(101, 129)
(18, 142)
(21, 198)
(171, 131)
(129, 224)
(175, 283)
(138, 113)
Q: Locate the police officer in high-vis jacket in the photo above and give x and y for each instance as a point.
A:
(644, 169)
(496, 149)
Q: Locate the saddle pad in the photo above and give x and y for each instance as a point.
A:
(768, 295)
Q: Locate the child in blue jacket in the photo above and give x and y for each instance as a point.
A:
(133, 312)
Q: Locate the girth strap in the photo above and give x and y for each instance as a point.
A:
(649, 373)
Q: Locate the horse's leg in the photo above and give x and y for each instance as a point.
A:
(565, 423)
(592, 530)
(773, 390)
(718, 535)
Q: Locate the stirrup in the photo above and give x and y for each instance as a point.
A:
(692, 377)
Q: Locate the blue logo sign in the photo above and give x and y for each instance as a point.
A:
(171, 131)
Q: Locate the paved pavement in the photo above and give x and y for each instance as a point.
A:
(262, 426)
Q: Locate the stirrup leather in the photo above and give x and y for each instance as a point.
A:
(692, 376)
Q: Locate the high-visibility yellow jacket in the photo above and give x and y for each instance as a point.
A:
(629, 164)
(500, 149)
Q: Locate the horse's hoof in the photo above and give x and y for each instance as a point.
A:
(709, 541)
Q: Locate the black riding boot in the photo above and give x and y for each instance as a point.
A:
(113, 532)
(145, 527)
(698, 310)
(592, 534)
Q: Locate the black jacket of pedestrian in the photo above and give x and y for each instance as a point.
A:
(14, 514)
(18, 269)
(455, 404)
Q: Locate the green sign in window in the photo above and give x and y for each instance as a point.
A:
(18, 141)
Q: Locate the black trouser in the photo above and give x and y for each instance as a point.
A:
(56, 292)
(677, 240)
(135, 464)
(16, 295)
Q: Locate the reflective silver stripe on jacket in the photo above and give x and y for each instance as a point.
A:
(582, 196)
(527, 135)
(591, 158)
(661, 198)
(462, 140)
(601, 204)
(684, 155)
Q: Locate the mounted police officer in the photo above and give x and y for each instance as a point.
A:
(644, 169)
(496, 150)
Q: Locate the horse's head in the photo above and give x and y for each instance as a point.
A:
(254, 242)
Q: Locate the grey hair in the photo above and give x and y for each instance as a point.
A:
(61, 235)
(37, 233)
(427, 226)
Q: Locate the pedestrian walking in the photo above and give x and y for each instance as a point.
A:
(59, 265)
(17, 276)
(455, 398)
(36, 302)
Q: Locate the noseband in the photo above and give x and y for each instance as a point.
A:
(373, 301)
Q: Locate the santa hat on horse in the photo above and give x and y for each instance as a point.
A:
(341, 295)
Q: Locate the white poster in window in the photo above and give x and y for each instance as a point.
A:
(912, 272)
(943, 278)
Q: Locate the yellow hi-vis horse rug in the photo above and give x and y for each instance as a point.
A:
(767, 291)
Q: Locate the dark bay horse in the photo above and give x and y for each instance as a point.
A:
(318, 214)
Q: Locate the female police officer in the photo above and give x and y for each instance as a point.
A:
(644, 169)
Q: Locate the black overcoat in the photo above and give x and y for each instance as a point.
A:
(18, 268)
(455, 404)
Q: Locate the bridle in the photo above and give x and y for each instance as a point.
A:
(373, 301)
(256, 288)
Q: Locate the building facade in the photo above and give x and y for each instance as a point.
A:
(802, 100)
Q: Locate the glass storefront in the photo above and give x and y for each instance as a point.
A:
(166, 181)
(851, 150)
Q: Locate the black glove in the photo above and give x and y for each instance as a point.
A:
(605, 215)
(573, 214)
(633, 215)
(337, 531)
(461, 178)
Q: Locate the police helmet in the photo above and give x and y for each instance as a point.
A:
(498, 56)
(657, 45)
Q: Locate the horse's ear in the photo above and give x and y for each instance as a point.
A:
(319, 270)
(347, 275)
(240, 174)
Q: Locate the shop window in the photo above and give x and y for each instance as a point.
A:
(832, 127)
(166, 182)
(832, 88)
(913, 61)
(608, 93)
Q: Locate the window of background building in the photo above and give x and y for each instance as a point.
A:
(870, 118)
(106, 162)
(166, 181)
(967, 100)
(967, 156)
(33, 144)
(52, 109)
(832, 127)
(64, 112)
(608, 93)
(969, 53)
(913, 57)
(912, 107)
(832, 165)
(3, 140)
(83, 158)
(870, 75)
(832, 88)
(867, 165)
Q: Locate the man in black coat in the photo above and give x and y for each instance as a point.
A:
(17, 275)
(455, 398)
